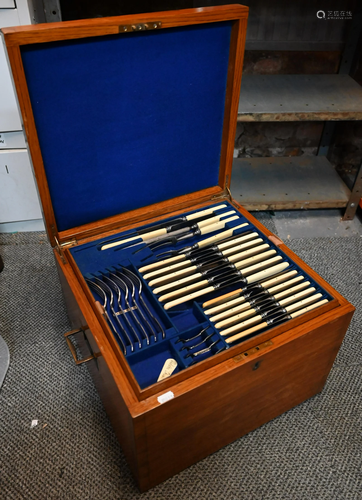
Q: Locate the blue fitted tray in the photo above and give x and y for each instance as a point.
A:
(181, 322)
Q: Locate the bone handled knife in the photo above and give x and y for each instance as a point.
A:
(273, 321)
(192, 251)
(206, 280)
(243, 305)
(259, 317)
(251, 279)
(185, 264)
(236, 293)
(194, 230)
(234, 302)
(160, 231)
(232, 258)
(249, 311)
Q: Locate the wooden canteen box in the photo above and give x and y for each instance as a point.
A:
(130, 123)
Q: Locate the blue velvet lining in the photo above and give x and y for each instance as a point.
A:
(125, 121)
(181, 322)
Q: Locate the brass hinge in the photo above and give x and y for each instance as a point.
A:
(226, 194)
(223, 196)
(60, 246)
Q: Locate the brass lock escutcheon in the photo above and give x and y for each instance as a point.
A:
(255, 349)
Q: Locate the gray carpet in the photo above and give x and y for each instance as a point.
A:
(311, 452)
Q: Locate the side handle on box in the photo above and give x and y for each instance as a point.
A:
(72, 348)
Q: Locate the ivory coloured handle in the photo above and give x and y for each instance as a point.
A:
(229, 312)
(170, 276)
(293, 290)
(243, 256)
(267, 272)
(278, 279)
(238, 239)
(303, 302)
(170, 295)
(190, 296)
(285, 284)
(210, 228)
(217, 218)
(232, 249)
(241, 325)
(143, 237)
(222, 299)
(164, 270)
(211, 210)
(240, 335)
(155, 265)
(234, 319)
(220, 236)
(308, 308)
(182, 281)
(225, 305)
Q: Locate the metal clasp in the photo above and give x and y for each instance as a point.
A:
(128, 28)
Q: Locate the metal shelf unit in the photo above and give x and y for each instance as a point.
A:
(298, 182)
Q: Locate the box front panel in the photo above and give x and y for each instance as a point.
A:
(200, 422)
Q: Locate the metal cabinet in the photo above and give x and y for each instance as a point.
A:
(19, 203)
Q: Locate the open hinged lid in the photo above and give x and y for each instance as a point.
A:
(124, 113)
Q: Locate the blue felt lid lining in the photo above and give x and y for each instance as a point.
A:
(126, 121)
